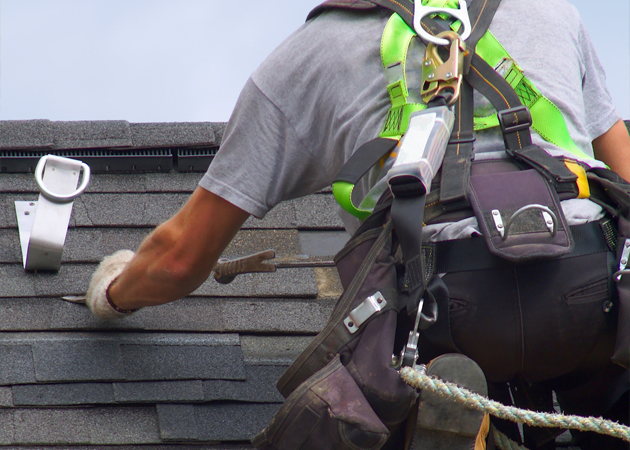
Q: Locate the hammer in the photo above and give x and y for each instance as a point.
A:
(226, 270)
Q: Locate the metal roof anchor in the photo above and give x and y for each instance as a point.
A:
(43, 224)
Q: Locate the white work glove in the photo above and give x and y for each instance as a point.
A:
(96, 297)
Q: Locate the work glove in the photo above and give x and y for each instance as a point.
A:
(96, 297)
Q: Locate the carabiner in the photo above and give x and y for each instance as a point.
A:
(438, 75)
(460, 14)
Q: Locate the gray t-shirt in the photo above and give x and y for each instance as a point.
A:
(323, 93)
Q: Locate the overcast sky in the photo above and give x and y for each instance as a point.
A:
(183, 60)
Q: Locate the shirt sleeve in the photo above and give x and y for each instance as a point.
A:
(601, 113)
(261, 162)
(303, 113)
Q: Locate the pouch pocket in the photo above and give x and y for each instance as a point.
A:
(520, 216)
(327, 411)
(622, 344)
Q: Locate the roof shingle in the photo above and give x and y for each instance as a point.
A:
(201, 370)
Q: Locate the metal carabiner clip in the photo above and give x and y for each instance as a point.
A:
(438, 75)
(460, 14)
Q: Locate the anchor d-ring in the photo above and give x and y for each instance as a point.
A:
(55, 197)
(43, 224)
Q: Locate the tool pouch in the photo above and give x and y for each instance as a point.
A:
(519, 215)
(327, 411)
(610, 189)
(360, 335)
(622, 344)
(370, 364)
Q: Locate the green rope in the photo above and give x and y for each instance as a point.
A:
(534, 419)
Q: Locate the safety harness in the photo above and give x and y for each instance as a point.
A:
(512, 95)
(460, 190)
(345, 391)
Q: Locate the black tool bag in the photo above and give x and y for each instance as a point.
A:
(328, 410)
(350, 361)
(613, 193)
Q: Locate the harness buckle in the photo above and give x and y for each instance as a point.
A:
(514, 119)
(439, 76)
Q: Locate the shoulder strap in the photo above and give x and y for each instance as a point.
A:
(454, 182)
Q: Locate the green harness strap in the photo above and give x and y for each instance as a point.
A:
(547, 120)
(395, 42)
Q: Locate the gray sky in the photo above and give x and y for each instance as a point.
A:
(183, 60)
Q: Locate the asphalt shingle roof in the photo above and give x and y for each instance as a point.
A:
(201, 370)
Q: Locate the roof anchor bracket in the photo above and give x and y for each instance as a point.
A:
(43, 224)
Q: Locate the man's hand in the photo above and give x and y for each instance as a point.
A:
(179, 255)
(96, 297)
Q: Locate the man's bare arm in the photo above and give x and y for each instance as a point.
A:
(613, 148)
(179, 255)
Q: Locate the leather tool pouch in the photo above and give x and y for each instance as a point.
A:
(327, 411)
(519, 215)
(622, 344)
(343, 392)
(610, 189)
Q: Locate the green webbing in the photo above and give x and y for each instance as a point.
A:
(395, 42)
(547, 119)
(342, 190)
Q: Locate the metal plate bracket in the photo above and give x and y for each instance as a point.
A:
(498, 221)
(359, 315)
(43, 224)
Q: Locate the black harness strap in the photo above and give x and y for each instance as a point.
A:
(364, 158)
(481, 14)
(455, 172)
(404, 8)
(514, 117)
(515, 120)
(454, 184)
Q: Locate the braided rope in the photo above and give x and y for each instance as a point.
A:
(535, 419)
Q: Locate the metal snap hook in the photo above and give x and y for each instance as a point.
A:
(460, 14)
(443, 78)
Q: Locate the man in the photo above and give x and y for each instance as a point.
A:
(312, 103)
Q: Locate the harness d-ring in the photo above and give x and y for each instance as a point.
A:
(551, 220)
(460, 14)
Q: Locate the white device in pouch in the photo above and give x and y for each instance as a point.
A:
(421, 151)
